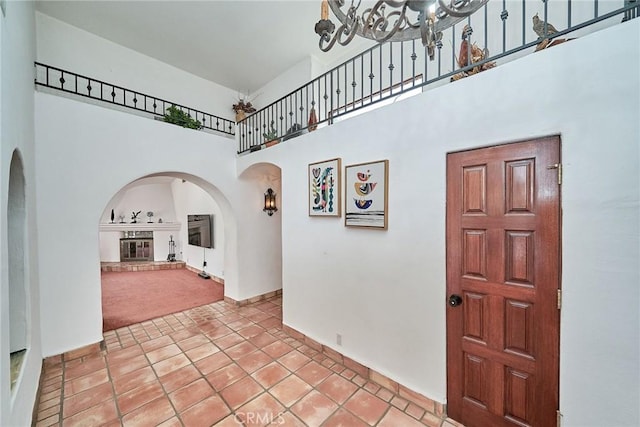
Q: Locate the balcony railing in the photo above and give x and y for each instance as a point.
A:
(503, 30)
(88, 87)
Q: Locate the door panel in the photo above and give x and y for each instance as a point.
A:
(503, 260)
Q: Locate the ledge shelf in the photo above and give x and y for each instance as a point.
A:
(142, 226)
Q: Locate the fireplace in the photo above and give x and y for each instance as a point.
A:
(136, 246)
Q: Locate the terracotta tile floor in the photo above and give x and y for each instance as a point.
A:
(215, 365)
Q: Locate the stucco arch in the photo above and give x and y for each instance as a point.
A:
(228, 217)
(100, 152)
(264, 259)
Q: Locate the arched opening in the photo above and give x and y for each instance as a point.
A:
(16, 243)
(258, 178)
(150, 226)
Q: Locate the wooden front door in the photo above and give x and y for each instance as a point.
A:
(503, 283)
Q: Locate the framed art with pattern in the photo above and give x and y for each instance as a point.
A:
(366, 194)
(324, 188)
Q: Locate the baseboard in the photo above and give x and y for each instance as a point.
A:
(438, 410)
(211, 276)
(251, 300)
(141, 266)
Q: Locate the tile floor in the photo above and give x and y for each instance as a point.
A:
(216, 365)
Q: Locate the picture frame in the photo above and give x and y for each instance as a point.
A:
(324, 184)
(367, 195)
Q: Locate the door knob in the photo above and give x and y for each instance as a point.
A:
(455, 300)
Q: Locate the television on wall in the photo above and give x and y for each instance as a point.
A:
(200, 230)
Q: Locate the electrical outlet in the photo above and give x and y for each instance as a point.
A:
(338, 339)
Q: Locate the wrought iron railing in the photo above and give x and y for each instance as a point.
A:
(388, 71)
(88, 87)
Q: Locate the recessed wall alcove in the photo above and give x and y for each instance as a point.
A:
(16, 241)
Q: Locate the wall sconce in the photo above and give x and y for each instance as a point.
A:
(270, 202)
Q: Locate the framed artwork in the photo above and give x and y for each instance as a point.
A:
(324, 188)
(366, 193)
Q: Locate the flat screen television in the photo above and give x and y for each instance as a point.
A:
(200, 230)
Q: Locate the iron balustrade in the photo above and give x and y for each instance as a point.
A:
(88, 87)
(386, 72)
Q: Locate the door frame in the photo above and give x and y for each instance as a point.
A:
(553, 139)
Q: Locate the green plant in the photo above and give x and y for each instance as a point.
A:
(178, 117)
(271, 134)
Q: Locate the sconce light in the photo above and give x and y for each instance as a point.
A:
(270, 202)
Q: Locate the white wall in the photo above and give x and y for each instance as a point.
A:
(70, 48)
(191, 199)
(72, 137)
(298, 75)
(17, 38)
(147, 194)
(384, 291)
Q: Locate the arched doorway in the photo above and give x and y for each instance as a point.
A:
(162, 204)
(16, 243)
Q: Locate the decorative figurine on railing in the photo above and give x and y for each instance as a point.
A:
(539, 29)
(149, 215)
(134, 217)
(477, 55)
(312, 124)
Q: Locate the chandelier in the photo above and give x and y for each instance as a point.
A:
(407, 20)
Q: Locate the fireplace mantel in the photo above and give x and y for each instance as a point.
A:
(142, 226)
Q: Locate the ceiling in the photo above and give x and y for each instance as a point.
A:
(238, 44)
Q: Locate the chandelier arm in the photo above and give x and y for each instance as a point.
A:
(410, 33)
(328, 47)
(464, 11)
(394, 3)
(337, 37)
(386, 35)
(335, 8)
(370, 19)
(350, 33)
(426, 28)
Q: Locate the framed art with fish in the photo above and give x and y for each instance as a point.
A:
(366, 194)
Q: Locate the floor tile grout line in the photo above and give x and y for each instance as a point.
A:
(113, 390)
(276, 332)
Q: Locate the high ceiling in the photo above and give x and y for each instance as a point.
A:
(239, 44)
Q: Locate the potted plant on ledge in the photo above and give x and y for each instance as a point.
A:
(271, 136)
(242, 108)
(178, 117)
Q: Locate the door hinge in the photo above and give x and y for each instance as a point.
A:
(559, 299)
(558, 419)
(557, 166)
